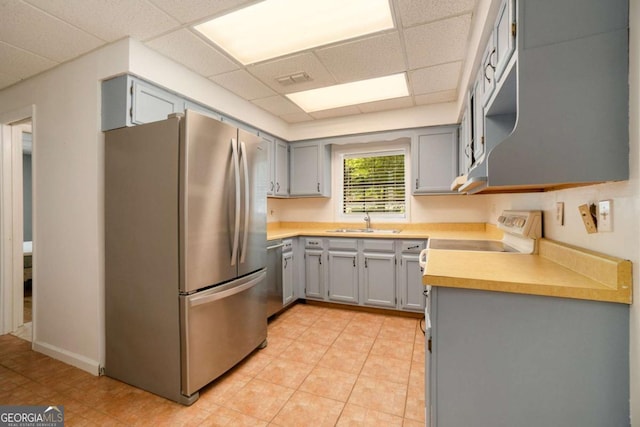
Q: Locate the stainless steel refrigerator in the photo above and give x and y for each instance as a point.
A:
(185, 253)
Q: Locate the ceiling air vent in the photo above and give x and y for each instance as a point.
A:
(292, 79)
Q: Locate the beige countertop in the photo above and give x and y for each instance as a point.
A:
(558, 270)
(406, 231)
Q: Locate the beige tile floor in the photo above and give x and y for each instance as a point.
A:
(323, 367)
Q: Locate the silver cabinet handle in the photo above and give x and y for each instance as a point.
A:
(272, 186)
(277, 187)
(318, 187)
(416, 183)
(236, 174)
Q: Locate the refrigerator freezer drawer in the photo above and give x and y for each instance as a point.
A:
(220, 327)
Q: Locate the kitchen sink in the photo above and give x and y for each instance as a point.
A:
(470, 245)
(364, 230)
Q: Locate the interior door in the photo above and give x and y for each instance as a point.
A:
(207, 202)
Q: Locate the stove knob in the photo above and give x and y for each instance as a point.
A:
(501, 219)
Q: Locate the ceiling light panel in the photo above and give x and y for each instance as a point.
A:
(274, 28)
(387, 87)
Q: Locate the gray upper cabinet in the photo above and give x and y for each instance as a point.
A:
(281, 168)
(552, 101)
(128, 101)
(434, 154)
(505, 36)
(310, 169)
(278, 184)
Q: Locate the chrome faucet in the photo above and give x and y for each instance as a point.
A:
(367, 220)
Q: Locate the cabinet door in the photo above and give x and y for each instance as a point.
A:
(410, 280)
(313, 273)
(271, 165)
(464, 145)
(478, 119)
(281, 168)
(505, 36)
(288, 294)
(379, 279)
(487, 72)
(435, 160)
(151, 104)
(343, 277)
(305, 170)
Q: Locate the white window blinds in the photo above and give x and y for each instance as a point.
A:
(374, 182)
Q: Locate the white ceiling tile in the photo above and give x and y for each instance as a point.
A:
(187, 11)
(269, 71)
(185, 47)
(387, 104)
(28, 28)
(438, 42)
(296, 117)
(278, 105)
(414, 12)
(336, 112)
(365, 58)
(20, 64)
(110, 20)
(435, 79)
(437, 97)
(243, 84)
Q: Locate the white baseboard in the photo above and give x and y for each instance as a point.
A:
(73, 359)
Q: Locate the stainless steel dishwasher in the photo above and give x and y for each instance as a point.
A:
(274, 277)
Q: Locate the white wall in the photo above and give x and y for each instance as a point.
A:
(68, 204)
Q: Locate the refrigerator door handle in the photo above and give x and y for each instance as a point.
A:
(222, 291)
(243, 156)
(236, 229)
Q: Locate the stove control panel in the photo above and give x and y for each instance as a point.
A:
(521, 223)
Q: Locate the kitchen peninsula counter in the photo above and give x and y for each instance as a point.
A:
(559, 270)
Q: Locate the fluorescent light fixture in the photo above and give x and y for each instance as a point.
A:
(273, 28)
(324, 98)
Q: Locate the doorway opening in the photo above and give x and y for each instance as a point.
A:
(17, 290)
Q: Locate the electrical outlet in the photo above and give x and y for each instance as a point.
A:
(605, 215)
(588, 218)
(560, 213)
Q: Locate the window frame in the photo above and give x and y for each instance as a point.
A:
(370, 150)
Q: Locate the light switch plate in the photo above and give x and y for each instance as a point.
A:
(588, 219)
(560, 213)
(605, 215)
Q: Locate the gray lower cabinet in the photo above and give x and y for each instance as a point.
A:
(379, 279)
(288, 270)
(380, 273)
(314, 268)
(410, 276)
(343, 276)
(501, 360)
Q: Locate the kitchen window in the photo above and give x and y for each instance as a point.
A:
(374, 182)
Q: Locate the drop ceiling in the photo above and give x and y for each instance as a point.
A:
(429, 43)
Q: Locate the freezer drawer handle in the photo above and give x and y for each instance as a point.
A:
(218, 294)
(279, 245)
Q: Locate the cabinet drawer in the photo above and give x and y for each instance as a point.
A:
(378, 245)
(413, 246)
(343, 244)
(313, 243)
